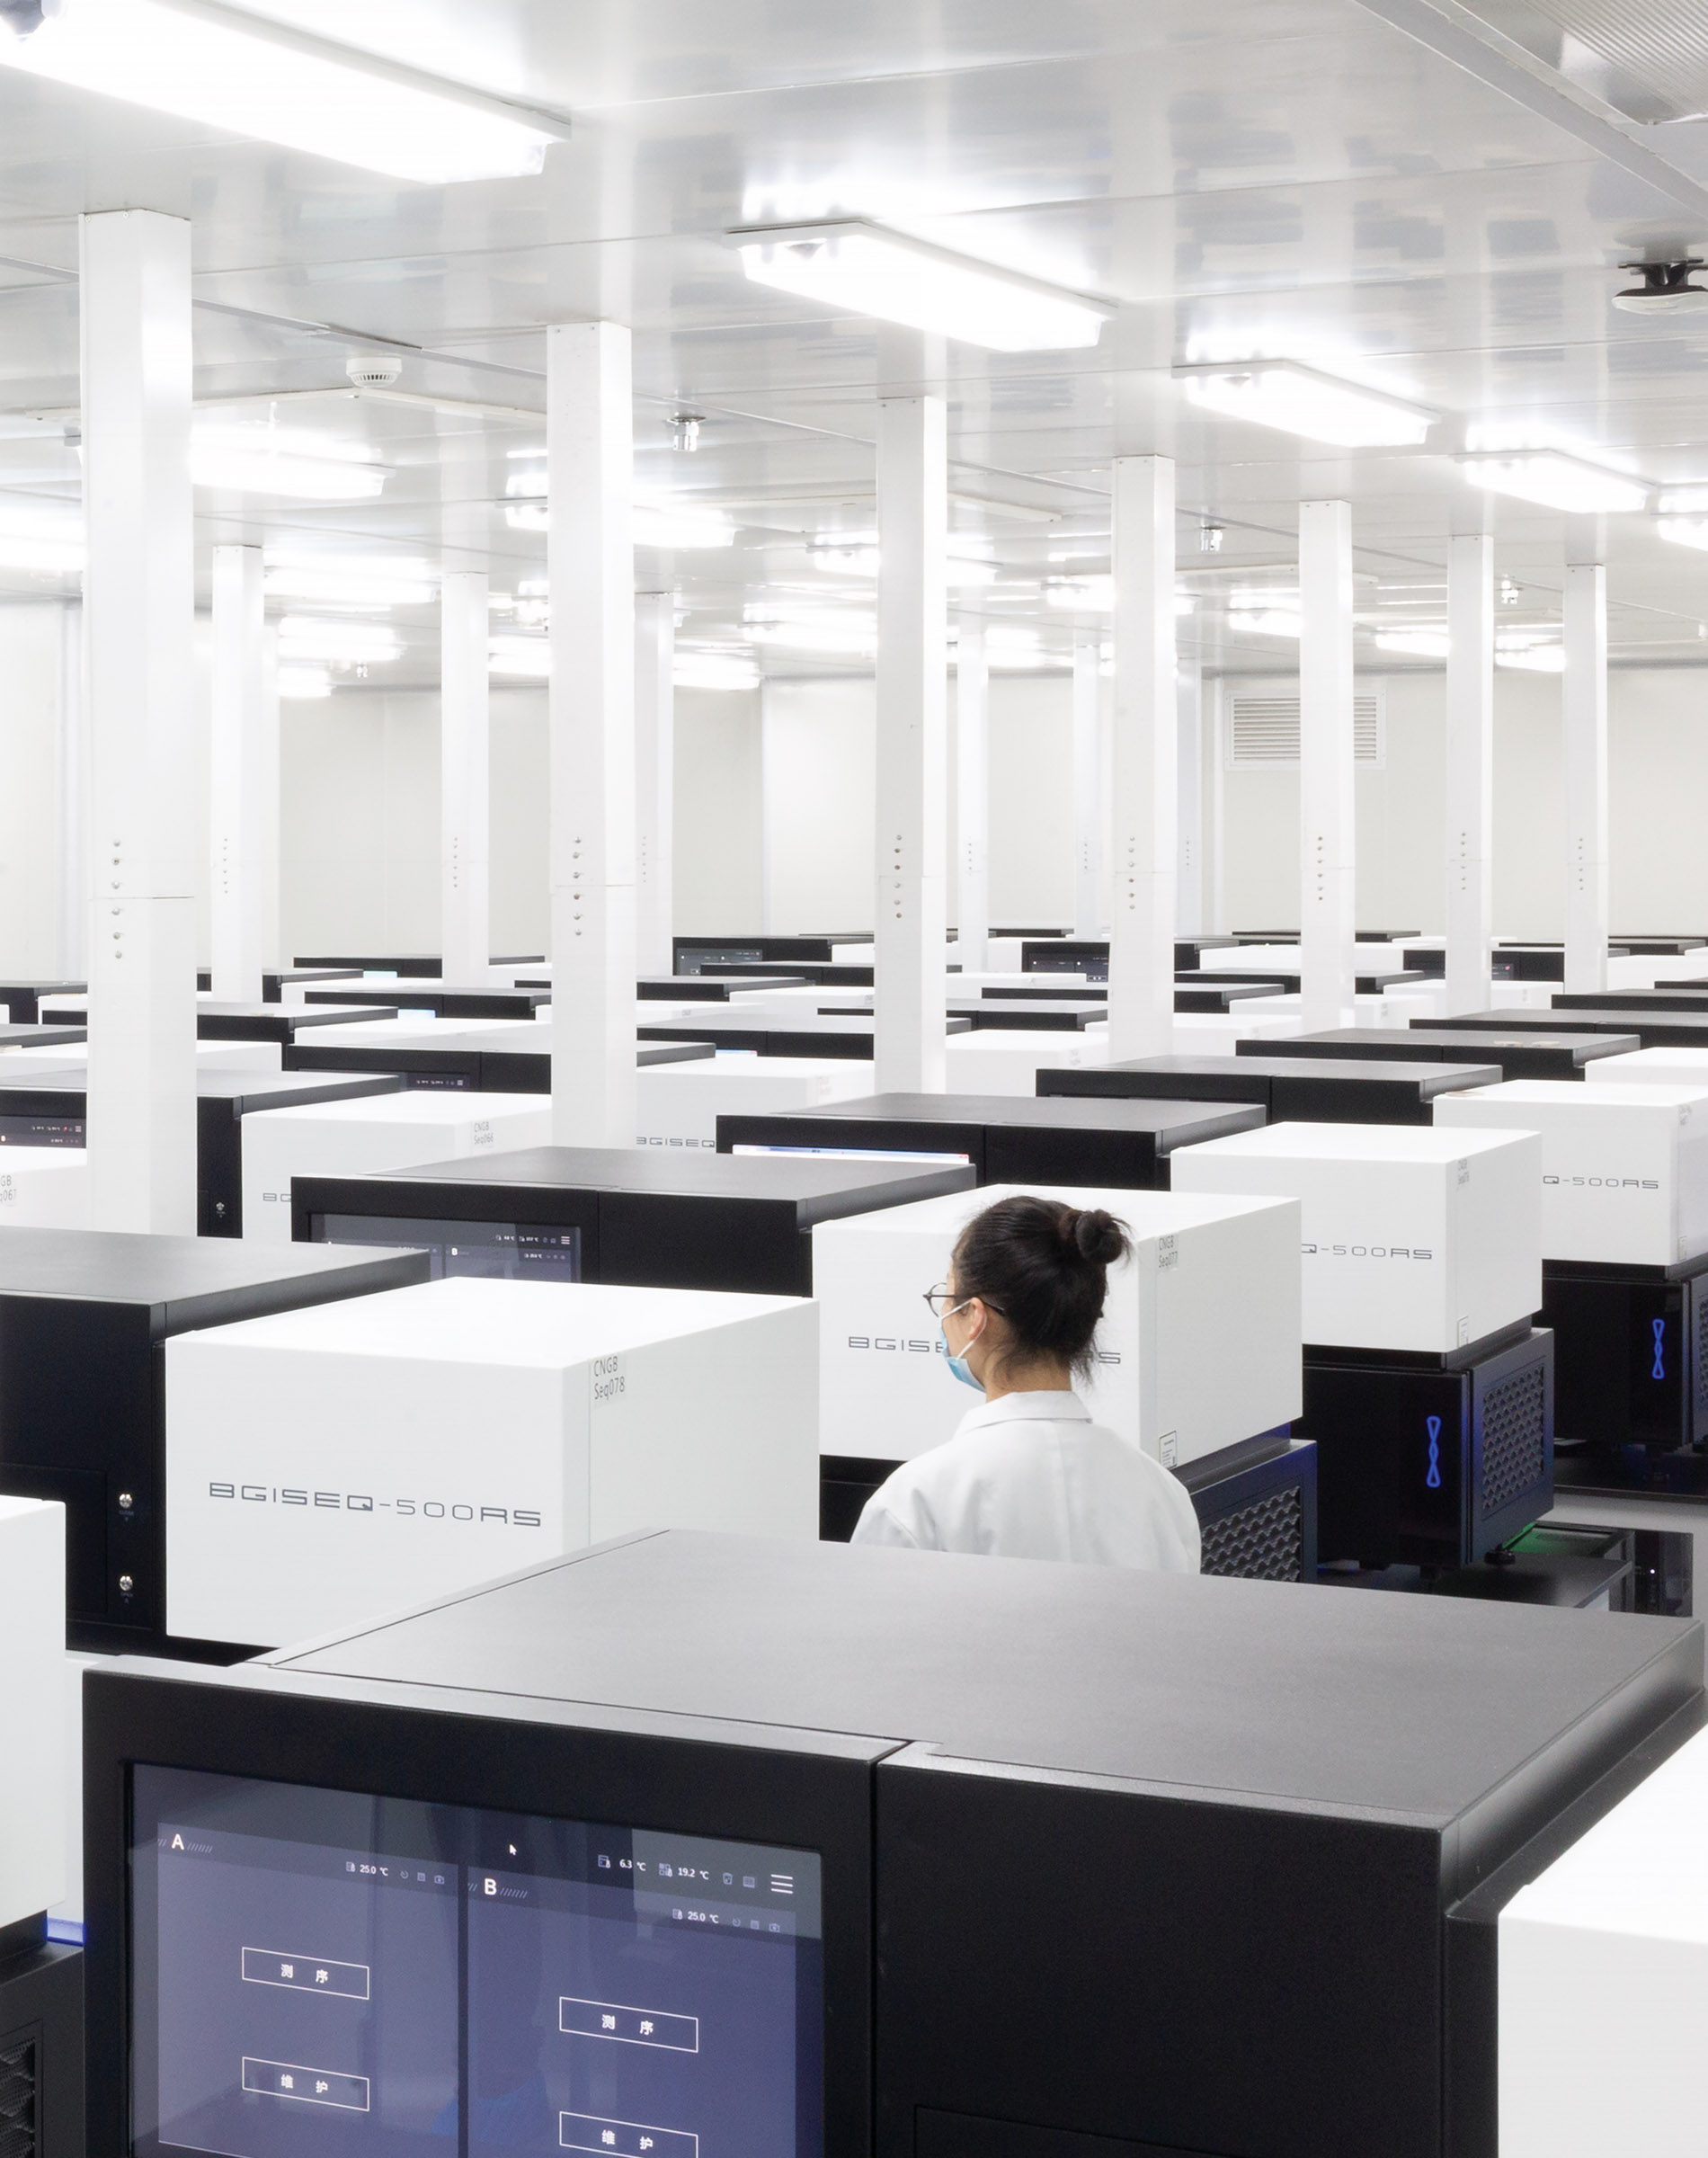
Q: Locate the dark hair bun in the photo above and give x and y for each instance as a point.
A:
(1043, 1266)
(1097, 1235)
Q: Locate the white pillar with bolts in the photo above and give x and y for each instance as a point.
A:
(1583, 687)
(590, 566)
(654, 777)
(1087, 777)
(912, 667)
(1189, 917)
(464, 750)
(237, 776)
(1470, 769)
(70, 802)
(1326, 800)
(972, 796)
(1144, 759)
(139, 676)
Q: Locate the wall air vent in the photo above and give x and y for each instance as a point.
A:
(1262, 722)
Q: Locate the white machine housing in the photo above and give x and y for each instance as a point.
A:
(44, 1188)
(679, 1104)
(1617, 1925)
(1007, 1060)
(1650, 1068)
(1205, 1273)
(32, 1702)
(328, 1464)
(1625, 1169)
(1414, 1237)
(369, 1132)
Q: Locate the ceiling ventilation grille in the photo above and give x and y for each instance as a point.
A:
(1647, 60)
(1263, 727)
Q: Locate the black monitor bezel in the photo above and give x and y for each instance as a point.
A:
(608, 1767)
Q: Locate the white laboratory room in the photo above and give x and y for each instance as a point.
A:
(853, 1078)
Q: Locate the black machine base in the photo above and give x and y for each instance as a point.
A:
(1255, 1503)
(40, 2044)
(1631, 1357)
(1426, 1465)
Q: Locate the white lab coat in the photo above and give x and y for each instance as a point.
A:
(1030, 1475)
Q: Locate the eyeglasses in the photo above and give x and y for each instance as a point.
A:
(943, 1306)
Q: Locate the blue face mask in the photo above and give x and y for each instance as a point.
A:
(958, 1364)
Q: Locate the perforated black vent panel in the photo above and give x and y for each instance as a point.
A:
(18, 2100)
(1514, 1436)
(1263, 1540)
(1700, 1299)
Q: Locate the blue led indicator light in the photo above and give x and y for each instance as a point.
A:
(1432, 1480)
(1659, 1326)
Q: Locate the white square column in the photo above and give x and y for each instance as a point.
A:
(1584, 699)
(465, 753)
(1087, 782)
(1143, 760)
(972, 794)
(237, 805)
(272, 941)
(1188, 704)
(654, 777)
(1326, 837)
(913, 671)
(591, 566)
(70, 801)
(1470, 820)
(1215, 817)
(139, 676)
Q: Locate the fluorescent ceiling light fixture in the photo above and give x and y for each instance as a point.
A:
(679, 525)
(266, 460)
(1413, 644)
(1684, 531)
(1533, 659)
(1554, 481)
(340, 644)
(1683, 502)
(851, 263)
(713, 671)
(528, 657)
(238, 72)
(42, 537)
(303, 684)
(1299, 400)
(654, 523)
(849, 637)
(856, 554)
(1268, 621)
(357, 582)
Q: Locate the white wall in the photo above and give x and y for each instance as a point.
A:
(360, 780)
(29, 703)
(717, 882)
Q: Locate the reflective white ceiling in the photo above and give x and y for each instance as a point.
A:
(1301, 178)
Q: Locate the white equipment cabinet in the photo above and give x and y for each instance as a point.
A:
(1413, 1238)
(1206, 1274)
(44, 1188)
(1603, 1983)
(33, 1699)
(1623, 1169)
(679, 1104)
(1007, 1060)
(374, 1132)
(326, 1465)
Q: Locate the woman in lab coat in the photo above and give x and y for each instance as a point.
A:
(1029, 1475)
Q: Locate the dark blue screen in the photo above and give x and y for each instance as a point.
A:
(324, 1972)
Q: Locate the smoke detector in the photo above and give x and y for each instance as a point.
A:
(1666, 288)
(373, 370)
